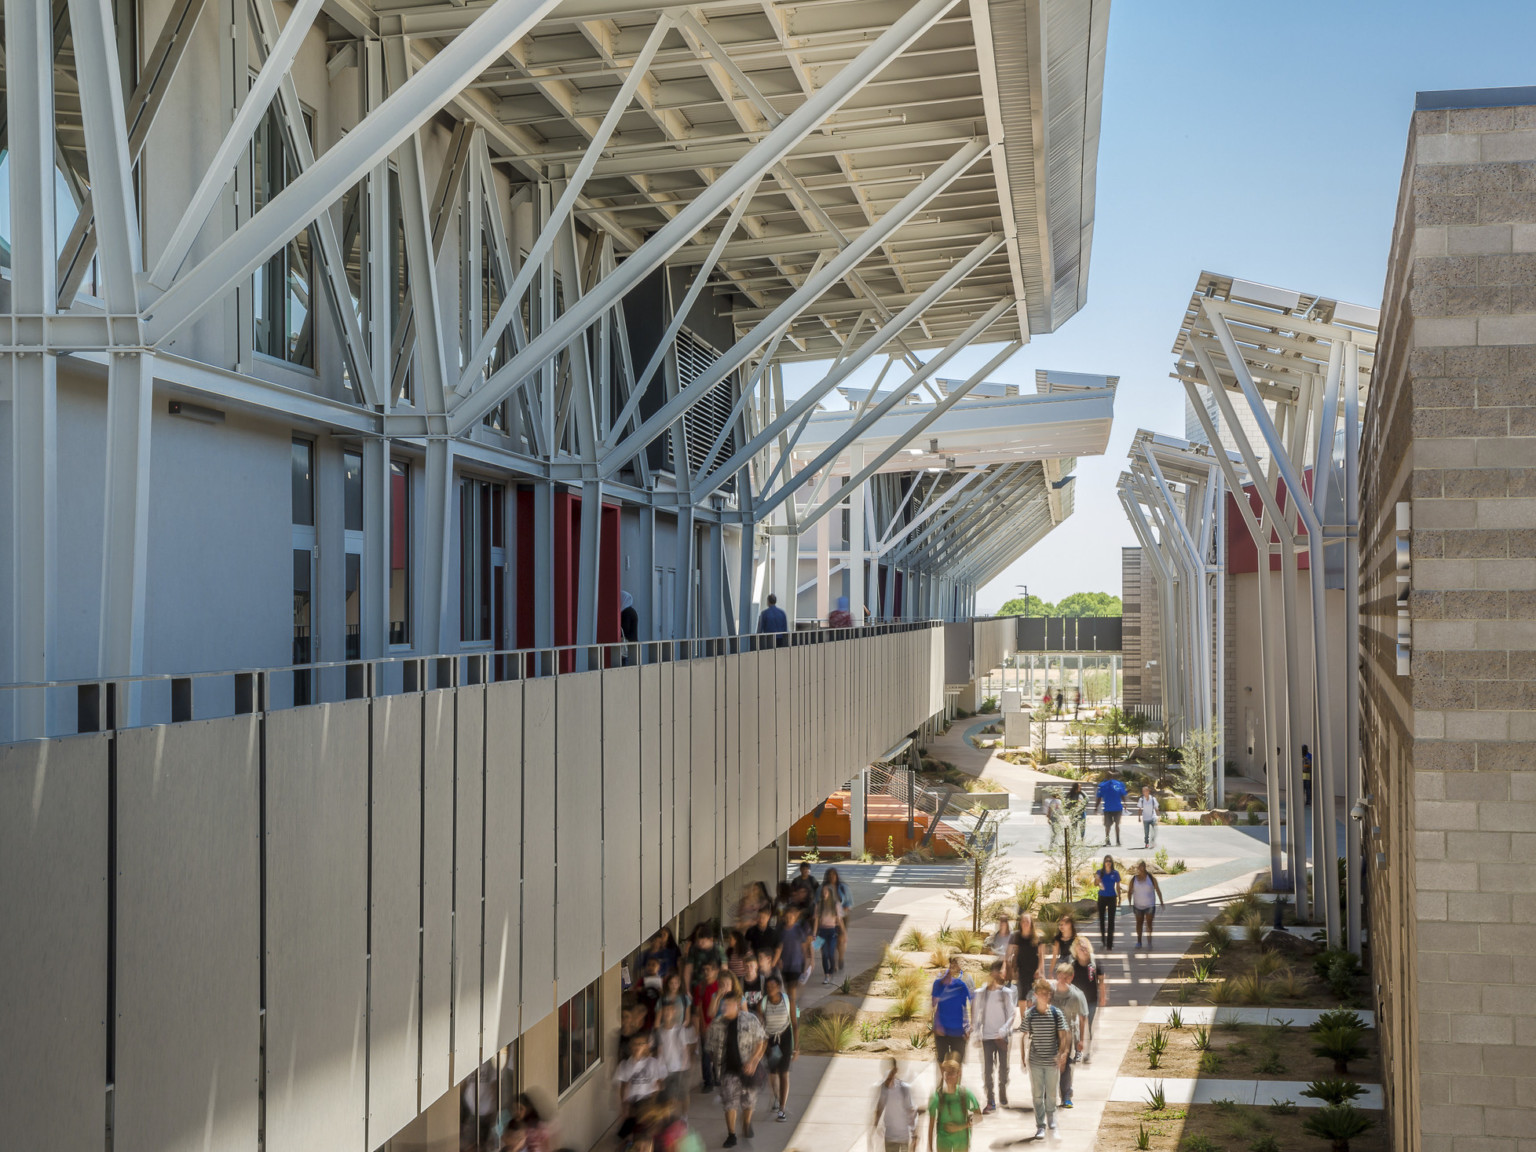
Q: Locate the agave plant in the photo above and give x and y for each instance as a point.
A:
(1175, 1019)
(1157, 1098)
(1143, 1137)
(1338, 1124)
(1202, 1038)
(1334, 1090)
(918, 1039)
(1341, 1045)
(1203, 971)
(1154, 1046)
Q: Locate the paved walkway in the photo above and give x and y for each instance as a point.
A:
(831, 1101)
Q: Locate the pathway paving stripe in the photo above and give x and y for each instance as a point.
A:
(1185, 1090)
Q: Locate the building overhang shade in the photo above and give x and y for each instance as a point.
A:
(974, 433)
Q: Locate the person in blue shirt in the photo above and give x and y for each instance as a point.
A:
(951, 997)
(1108, 880)
(1111, 800)
(773, 620)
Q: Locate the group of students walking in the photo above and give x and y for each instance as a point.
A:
(1048, 992)
(727, 1005)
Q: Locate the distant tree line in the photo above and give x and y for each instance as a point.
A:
(1077, 604)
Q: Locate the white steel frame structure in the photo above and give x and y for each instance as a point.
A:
(825, 181)
(1172, 496)
(1299, 364)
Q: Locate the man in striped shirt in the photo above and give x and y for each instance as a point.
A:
(1049, 1044)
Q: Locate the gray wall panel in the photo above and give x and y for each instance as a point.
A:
(667, 786)
(729, 755)
(682, 782)
(468, 863)
(751, 753)
(437, 893)
(503, 860)
(188, 936)
(623, 918)
(705, 825)
(650, 721)
(784, 749)
(538, 850)
(53, 949)
(578, 832)
(394, 996)
(317, 885)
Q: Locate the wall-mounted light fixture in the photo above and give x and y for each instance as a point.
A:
(195, 412)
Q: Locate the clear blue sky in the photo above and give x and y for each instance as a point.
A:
(1258, 140)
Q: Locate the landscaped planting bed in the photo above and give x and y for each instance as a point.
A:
(1220, 1128)
(1242, 1052)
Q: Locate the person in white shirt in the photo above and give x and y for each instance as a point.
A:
(895, 1114)
(993, 1012)
(1150, 812)
(637, 1079)
(676, 1041)
(1074, 1006)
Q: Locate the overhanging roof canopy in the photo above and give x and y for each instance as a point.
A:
(1026, 75)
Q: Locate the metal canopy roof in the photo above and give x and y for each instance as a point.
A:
(1023, 75)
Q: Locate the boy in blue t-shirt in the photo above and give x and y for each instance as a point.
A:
(1111, 799)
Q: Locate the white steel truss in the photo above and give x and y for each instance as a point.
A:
(483, 192)
(1297, 365)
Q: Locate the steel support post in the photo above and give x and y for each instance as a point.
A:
(34, 375)
(438, 524)
(125, 552)
(856, 584)
(687, 573)
(378, 494)
(543, 559)
(589, 564)
(823, 570)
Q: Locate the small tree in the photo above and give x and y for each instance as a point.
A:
(1040, 729)
(1067, 851)
(1197, 756)
(985, 879)
(1081, 734)
(1136, 725)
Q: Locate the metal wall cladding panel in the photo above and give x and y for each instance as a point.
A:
(750, 763)
(704, 865)
(538, 850)
(648, 815)
(728, 707)
(468, 864)
(623, 922)
(394, 995)
(436, 839)
(578, 831)
(666, 786)
(317, 926)
(188, 1059)
(53, 947)
(682, 780)
(503, 861)
(783, 736)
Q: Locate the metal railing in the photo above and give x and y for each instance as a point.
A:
(72, 707)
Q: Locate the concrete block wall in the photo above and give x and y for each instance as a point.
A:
(1451, 746)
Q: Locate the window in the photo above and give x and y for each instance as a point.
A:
(487, 1098)
(579, 1042)
(303, 544)
(352, 547)
(283, 287)
(399, 554)
(482, 559)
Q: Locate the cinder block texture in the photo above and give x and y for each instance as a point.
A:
(1450, 748)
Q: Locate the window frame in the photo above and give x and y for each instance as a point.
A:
(589, 1000)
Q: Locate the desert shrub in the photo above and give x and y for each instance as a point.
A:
(1337, 1018)
(913, 940)
(1254, 920)
(1210, 1063)
(1215, 938)
(828, 1031)
(940, 956)
(1338, 1124)
(907, 1006)
(1334, 1090)
(910, 980)
(1172, 804)
(1288, 983)
(1341, 1045)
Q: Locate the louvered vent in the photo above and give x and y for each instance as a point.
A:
(703, 421)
